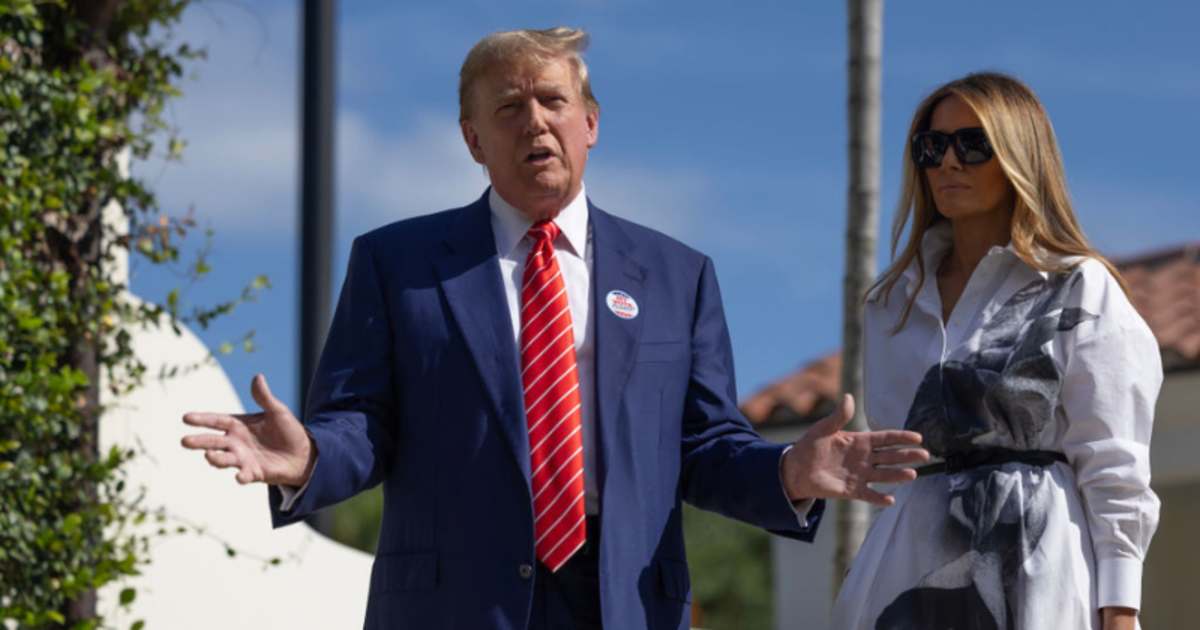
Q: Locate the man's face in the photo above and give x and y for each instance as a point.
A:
(530, 126)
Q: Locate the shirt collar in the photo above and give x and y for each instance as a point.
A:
(938, 238)
(510, 225)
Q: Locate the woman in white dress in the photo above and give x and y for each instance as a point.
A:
(1001, 336)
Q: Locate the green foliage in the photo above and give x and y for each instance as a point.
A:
(356, 521)
(730, 570)
(78, 85)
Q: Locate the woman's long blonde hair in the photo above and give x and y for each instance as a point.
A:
(1023, 139)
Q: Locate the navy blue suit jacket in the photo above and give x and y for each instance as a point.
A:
(418, 388)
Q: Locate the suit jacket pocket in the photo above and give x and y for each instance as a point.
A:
(674, 580)
(662, 351)
(404, 572)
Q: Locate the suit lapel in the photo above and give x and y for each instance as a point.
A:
(470, 274)
(613, 269)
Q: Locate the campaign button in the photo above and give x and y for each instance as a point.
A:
(622, 304)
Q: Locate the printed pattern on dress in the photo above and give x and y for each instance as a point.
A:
(1002, 395)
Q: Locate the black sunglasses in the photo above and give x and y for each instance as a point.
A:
(971, 146)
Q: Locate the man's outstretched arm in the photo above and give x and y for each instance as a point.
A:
(345, 443)
(728, 468)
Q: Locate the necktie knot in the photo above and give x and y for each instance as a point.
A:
(544, 231)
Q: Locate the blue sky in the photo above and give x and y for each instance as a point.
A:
(723, 127)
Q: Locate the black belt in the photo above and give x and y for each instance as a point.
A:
(966, 460)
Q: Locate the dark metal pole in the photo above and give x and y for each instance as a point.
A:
(316, 198)
(316, 183)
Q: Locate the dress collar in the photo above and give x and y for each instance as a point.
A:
(939, 238)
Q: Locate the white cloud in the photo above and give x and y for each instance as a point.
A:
(239, 118)
(384, 177)
(427, 168)
(240, 170)
(668, 200)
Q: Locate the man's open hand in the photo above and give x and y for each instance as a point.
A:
(828, 462)
(270, 446)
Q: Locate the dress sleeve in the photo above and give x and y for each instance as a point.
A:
(1110, 387)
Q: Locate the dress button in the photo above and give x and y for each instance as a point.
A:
(526, 571)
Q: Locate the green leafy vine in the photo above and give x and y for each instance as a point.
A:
(81, 81)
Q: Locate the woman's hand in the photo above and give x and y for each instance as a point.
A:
(1116, 618)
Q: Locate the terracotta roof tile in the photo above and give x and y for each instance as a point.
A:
(803, 395)
(1165, 289)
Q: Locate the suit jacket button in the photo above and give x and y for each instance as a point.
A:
(526, 571)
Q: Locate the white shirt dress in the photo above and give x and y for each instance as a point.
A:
(1028, 361)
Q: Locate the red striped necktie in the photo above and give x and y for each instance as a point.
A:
(552, 404)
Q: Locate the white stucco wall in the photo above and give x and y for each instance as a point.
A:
(191, 582)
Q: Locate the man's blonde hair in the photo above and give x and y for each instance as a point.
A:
(506, 49)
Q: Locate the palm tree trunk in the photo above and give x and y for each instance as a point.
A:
(866, 44)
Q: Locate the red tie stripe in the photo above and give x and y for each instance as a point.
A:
(552, 404)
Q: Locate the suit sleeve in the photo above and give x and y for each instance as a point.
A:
(726, 467)
(351, 401)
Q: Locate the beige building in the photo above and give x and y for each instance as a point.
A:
(1165, 286)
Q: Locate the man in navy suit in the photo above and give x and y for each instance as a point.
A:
(537, 384)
